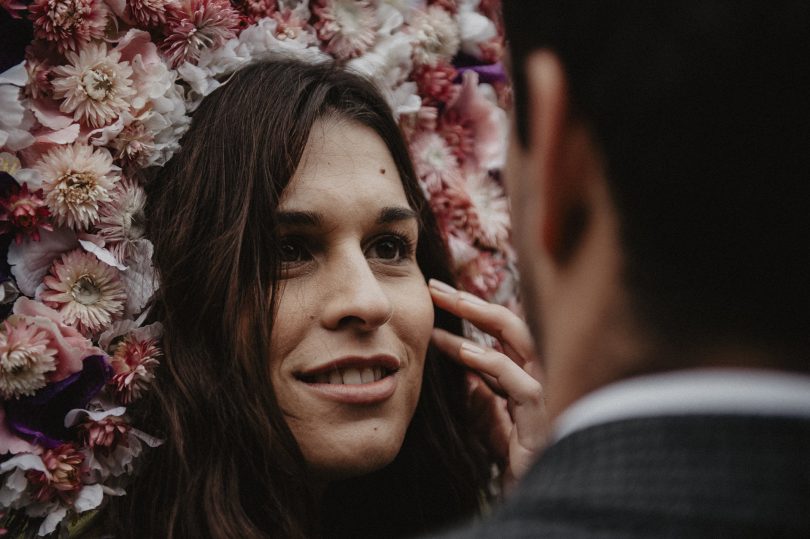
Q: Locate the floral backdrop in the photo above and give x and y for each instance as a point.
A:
(98, 92)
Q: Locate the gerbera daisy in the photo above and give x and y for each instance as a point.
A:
(122, 221)
(76, 180)
(25, 358)
(69, 23)
(196, 25)
(95, 87)
(87, 293)
(436, 36)
(348, 27)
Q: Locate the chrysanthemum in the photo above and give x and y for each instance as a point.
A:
(62, 480)
(76, 180)
(134, 363)
(122, 221)
(69, 23)
(196, 25)
(95, 87)
(433, 159)
(492, 208)
(23, 213)
(147, 13)
(436, 36)
(347, 27)
(86, 292)
(25, 358)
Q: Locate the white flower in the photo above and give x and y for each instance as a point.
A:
(346, 27)
(86, 292)
(31, 260)
(76, 180)
(474, 30)
(388, 63)
(122, 221)
(95, 86)
(436, 37)
(25, 358)
(15, 119)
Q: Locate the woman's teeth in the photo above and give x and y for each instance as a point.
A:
(351, 376)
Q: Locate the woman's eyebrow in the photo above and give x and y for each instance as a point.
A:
(393, 214)
(299, 218)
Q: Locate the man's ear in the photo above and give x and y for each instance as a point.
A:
(550, 135)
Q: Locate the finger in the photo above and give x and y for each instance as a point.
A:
(492, 318)
(450, 345)
(510, 377)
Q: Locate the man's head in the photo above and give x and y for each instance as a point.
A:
(660, 178)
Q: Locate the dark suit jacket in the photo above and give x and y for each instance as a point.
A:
(685, 476)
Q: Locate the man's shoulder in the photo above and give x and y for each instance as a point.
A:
(671, 476)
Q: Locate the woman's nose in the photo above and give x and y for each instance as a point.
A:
(356, 297)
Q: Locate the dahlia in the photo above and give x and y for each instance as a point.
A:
(197, 25)
(23, 213)
(147, 13)
(25, 358)
(348, 27)
(95, 86)
(86, 292)
(492, 207)
(69, 23)
(436, 36)
(62, 480)
(122, 221)
(134, 363)
(76, 179)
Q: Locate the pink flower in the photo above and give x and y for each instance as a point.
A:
(87, 292)
(436, 82)
(492, 207)
(196, 25)
(62, 479)
(483, 274)
(106, 433)
(122, 221)
(23, 213)
(69, 23)
(147, 13)
(40, 58)
(348, 27)
(16, 10)
(71, 346)
(434, 161)
(257, 9)
(134, 363)
(25, 358)
(459, 134)
(290, 24)
(454, 210)
(134, 145)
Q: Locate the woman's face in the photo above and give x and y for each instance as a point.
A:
(354, 315)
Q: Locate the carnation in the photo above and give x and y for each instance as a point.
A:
(95, 87)
(76, 180)
(69, 23)
(25, 358)
(86, 292)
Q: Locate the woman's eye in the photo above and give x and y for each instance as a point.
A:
(293, 251)
(389, 248)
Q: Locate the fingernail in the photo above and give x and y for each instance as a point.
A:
(439, 286)
(475, 300)
(471, 348)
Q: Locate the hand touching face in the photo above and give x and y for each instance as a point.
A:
(354, 317)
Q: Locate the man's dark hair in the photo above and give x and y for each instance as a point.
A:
(701, 109)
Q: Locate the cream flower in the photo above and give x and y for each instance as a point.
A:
(347, 27)
(76, 180)
(86, 292)
(436, 36)
(25, 358)
(95, 86)
(434, 160)
(122, 221)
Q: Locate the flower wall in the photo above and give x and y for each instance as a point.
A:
(105, 90)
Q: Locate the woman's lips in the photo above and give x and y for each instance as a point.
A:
(354, 380)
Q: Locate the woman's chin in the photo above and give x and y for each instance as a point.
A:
(363, 455)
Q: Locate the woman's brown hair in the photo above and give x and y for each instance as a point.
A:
(230, 466)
